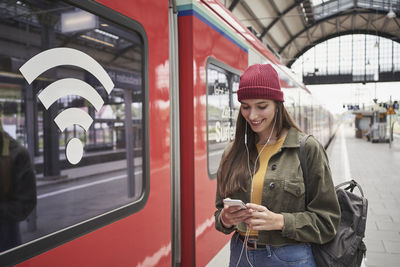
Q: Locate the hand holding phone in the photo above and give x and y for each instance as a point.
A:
(234, 202)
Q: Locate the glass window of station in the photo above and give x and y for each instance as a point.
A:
(222, 111)
(71, 118)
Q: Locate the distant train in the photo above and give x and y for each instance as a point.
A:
(165, 75)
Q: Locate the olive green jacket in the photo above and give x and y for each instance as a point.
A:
(284, 193)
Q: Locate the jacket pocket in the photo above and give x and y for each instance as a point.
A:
(295, 188)
(294, 196)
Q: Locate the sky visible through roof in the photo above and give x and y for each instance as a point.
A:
(358, 55)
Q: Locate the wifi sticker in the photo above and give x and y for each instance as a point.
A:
(69, 86)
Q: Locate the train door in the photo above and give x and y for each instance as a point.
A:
(84, 96)
(211, 56)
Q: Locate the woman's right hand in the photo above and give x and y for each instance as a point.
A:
(233, 215)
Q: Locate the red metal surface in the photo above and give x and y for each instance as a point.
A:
(208, 43)
(144, 237)
(198, 42)
(187, 138)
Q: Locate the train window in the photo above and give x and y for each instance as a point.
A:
(222, 111)
(72, 126)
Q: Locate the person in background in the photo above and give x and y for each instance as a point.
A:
(369, 133)
(262, 168)
(17, 188)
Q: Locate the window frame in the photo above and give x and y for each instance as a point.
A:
(227, 68)
(42, 244)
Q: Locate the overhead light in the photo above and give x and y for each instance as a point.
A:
(391, 14)
(107, 34)
(97, 40)
(78, 21)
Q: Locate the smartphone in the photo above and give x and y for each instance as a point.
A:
(234, 202)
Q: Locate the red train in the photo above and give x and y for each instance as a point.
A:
(142, 193)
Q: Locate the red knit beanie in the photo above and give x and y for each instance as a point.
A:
(260, 81)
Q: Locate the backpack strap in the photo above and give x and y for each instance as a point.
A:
(302, 156)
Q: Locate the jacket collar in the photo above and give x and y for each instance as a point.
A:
(293, 138)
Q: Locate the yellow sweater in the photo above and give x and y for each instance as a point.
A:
(258, 179)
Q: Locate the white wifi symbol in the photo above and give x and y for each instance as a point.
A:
(69, 86)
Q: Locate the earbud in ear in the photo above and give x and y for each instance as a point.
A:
(245, 135)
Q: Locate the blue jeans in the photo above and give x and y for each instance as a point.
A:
(299, 255)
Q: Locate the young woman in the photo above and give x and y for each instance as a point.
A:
(262, 168)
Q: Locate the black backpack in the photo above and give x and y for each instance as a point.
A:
(347, 248)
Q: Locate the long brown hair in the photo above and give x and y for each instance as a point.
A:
(233, 173)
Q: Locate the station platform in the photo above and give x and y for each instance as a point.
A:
(375, 166)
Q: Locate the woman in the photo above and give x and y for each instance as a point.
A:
(262, 168)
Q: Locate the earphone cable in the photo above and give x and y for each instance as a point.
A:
(243, 246)
(251, 177)
(255, 162)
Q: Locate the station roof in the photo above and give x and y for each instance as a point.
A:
(291, 27)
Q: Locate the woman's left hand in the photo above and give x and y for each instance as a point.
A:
(264, 219)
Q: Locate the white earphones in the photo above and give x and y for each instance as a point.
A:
(245, 135)
(248, 153)
(251, 176)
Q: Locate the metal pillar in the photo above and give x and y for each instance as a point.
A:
(51, 151)
(30, 127)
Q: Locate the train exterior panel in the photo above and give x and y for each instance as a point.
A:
(132, 42)
(144, 237)
(201, 38)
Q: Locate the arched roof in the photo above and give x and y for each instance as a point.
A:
(291, 27)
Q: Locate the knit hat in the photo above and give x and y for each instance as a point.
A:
(260, 81)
